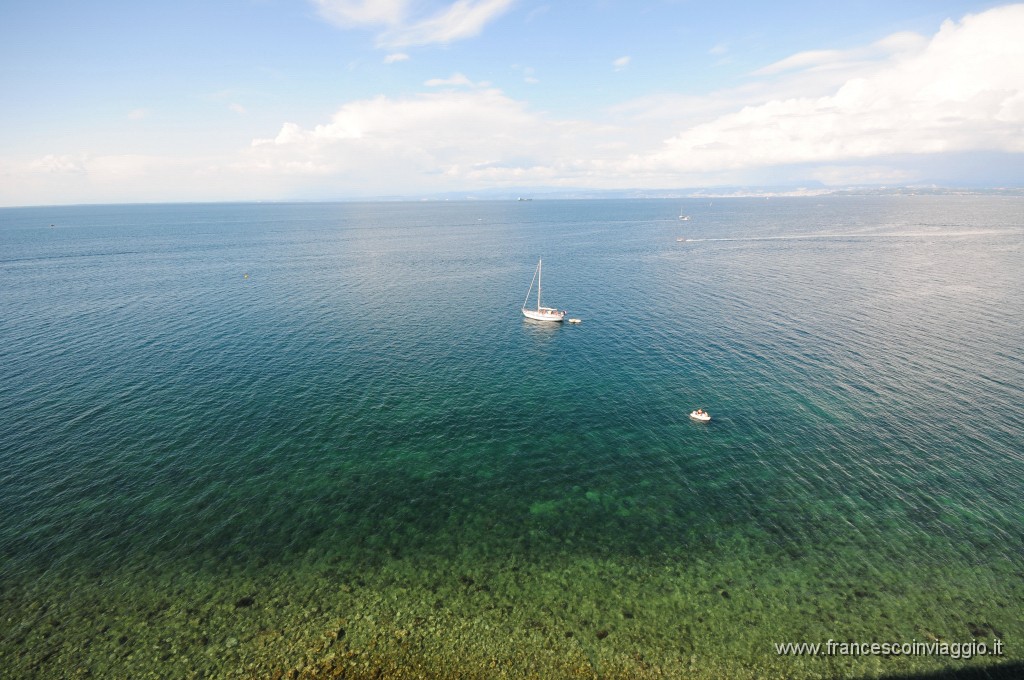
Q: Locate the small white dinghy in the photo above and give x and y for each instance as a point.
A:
(701, 415)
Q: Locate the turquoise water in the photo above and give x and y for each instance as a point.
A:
(202, 401)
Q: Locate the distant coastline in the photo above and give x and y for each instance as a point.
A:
(715, 192)
(526, 195)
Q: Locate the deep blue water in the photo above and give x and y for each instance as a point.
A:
(253, 385)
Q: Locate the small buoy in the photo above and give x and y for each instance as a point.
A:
(245, 276)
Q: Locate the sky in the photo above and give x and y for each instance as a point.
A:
(223, 100)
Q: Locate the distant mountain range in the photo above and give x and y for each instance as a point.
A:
(542, 193)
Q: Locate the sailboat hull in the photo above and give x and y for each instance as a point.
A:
(544, 314)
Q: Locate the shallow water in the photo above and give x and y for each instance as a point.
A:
(203, 402)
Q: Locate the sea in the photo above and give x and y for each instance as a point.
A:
(321, 440)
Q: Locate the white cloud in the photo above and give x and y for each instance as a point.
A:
(238, 108)
(527, 73)
(104, 168)
(89, 178)
(462, 19)
(620, 63)
(349, 13)
(138, 114)
(831, 60)
(478, 136)
(961, 90)
(458, 20)
(396, 57)
(455, 80)
(433, 120)
(58, 164)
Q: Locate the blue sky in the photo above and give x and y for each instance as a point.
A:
(330, 99)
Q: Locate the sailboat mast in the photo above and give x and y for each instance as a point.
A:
(538, 284)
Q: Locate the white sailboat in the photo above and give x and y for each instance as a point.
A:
(541, 313)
